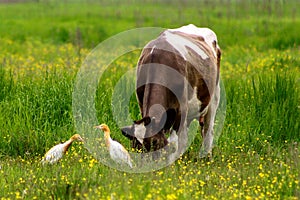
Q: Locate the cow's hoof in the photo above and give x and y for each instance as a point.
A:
(205, 156)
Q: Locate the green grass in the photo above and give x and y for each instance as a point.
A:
(90, 22)
(43, 46)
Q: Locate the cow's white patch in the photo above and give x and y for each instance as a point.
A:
(208, 35)
(152, 49)
(180, 44)
(140, 132)
(177, 42)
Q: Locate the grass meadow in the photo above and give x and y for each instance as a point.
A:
(42, 46)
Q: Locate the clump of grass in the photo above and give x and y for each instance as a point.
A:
(263, 109)
(277, 106)
(6, 83)
(36, 113)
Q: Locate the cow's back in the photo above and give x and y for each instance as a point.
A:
(190, 56)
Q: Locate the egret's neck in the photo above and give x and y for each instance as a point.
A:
(107, 138)
(67, 144)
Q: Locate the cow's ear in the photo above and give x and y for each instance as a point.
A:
(128, 132)
(138, 121)
(146, 120)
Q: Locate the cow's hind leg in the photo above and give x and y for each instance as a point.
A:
(207, 135)
(207, 129)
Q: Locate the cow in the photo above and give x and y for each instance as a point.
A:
(177, 81)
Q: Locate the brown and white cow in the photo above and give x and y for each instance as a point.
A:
(177, 81)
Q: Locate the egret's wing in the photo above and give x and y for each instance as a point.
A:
(54, 154)
(120, 154)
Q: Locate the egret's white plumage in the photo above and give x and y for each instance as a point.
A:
(116, 151)
(58, 151)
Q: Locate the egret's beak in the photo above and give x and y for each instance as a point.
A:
(80, 139)
(99, 127)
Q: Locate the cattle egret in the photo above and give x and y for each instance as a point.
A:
(117, 152)
(57, 152)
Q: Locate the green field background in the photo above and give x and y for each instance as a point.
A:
(43, 44)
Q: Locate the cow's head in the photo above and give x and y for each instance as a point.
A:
(146, 134)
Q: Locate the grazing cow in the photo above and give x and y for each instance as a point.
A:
(177, 81)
